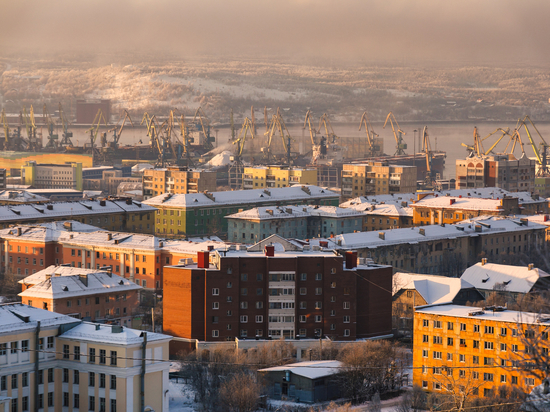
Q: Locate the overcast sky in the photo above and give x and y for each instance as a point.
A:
(431, 31)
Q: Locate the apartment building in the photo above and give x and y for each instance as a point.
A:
(58, 363)
(292, 221)
(177, 180)
(463, 346)
(277, 289)
(138, 257)
(375, 178)
(448, 249)
(110, 214)
(199, 214)
(260, 177)
(88, 294)
(52, 176)
(430, 210)
(503, 171)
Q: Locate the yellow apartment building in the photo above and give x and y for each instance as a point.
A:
(462, 347)
(177, 180)
(376, 178)
(54, 362)
(259, 177)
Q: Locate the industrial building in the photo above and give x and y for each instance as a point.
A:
(277, 289)
(204, 213)
(52, 176)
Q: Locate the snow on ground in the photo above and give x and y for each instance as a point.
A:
(181, 397)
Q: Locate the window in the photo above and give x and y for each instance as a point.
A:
(438, 340)
(488, 377)
(102, 354)
(424, 353)
(437, 324)
(215, 333)
(425, 323)
(449, 341)
(91, 403)
(347, 305)
(244, 305)
(450, 325)
(113, 382)
(346, 332)
(462, 326)
(476, 344)
(244, 318)
(76, 376)
(503, 347)
(303, 305)
(244, 291)
(514, 380)
(489, 329)
(514, 348)
(476, 328)
(76, 352)
(462, 357)
(437, 355)
(101, 380)
(303, 318)
(4, 348)
(318, 318)
(449, 356)
(14, 346)
(462, 342)
(259, 305)
(318, 305)
(259, 319)
(25, 346)
(50, 375)
(347, 319)
(488, 361)
(303, 291)
(65, 375)
(91, 357)
(65, 398)
(303, 276)
(318, 276)
(503, 331)
(113, 357)
(215, 305)
(65, 351)
(76, 401)
(113, 405)
(50, 398)
(318, 291)
(13, 381)
(91, 378)
(215, 291)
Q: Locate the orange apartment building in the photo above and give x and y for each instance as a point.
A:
(88, 294)
(138, 257)
(477, 350)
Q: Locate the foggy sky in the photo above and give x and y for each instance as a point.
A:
(430, 31)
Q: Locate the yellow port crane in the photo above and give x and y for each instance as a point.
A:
(204, 127)
(117, 131)
(6, 130)
(431, 179)
(153, 131)
(371, 135)
(318, 148)
(184, 133)
(66, 135)
(324, 121)
(277, 124)
(53, 138)
(541, 154)
(236, 169)
(477, 148)
(400, 144)
(94, 130)
(247, 127)
(33, 143)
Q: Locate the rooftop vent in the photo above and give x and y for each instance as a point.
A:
(102, 203)
(476, 313)
(121, 282)
(64, 288)
(269, 250)
(97, 326)
(49, 207)
(116, 329)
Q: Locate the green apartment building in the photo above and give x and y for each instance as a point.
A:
(198, 214)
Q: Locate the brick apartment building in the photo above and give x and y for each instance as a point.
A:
(280, 290)
(26, 250)
(88, 294)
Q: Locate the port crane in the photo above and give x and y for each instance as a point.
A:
(236, 170)
(117, 131)
(66, 135)
(153, 131)
(400, 144)
(319, 148)
(33, 142)
(540, 153)
(277, 124)
(371, 135)
(477, 148)
(431, 179)
(6, 130)
(204, 128)
(324, 121)
(53, 139)
(94, 131)
(186, 139)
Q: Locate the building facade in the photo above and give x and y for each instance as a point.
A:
(52, 176)
(502, 171)
(88, 294)
(58, 363)
(260, 177)
(280, 290)
(199, 214)
(177, 180)
(463, 346)
(377, 178)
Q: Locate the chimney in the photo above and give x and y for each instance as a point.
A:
(84, 279)
(351, 260)
(382, 235)
(323, 243)
(102, 203)
(161, 243)
(269, 250)
(68, 226)
(452, 201)
(128, 201)
(116, 329)
(97, 326)
(483, 261)
(49, 207)
(108, 269)
(422, 231)
(203, 260)
(18, 231)
(530, 266)
(210, 248)
(109, 236)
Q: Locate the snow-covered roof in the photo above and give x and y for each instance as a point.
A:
(384, 209)
(140, 167)
(59, 286)
(434, 289)
(46, 232)
(237, 197)
(486, 224)
(84, 207)
(16, 317)
(41, 275)
(310, 370)
(21, 196)
(396, 199)
(460, 311)
(460, 203)
(515, 278)
(95, 332)
(292, 212)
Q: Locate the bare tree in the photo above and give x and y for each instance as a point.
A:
(240, 393)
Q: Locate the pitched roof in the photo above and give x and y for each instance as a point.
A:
(292, 212)
(514, 278)
(310, 370)
(16, 317)
(238, 197)
(21, 196)
(434, 289)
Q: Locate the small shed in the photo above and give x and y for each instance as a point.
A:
(308, 382)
